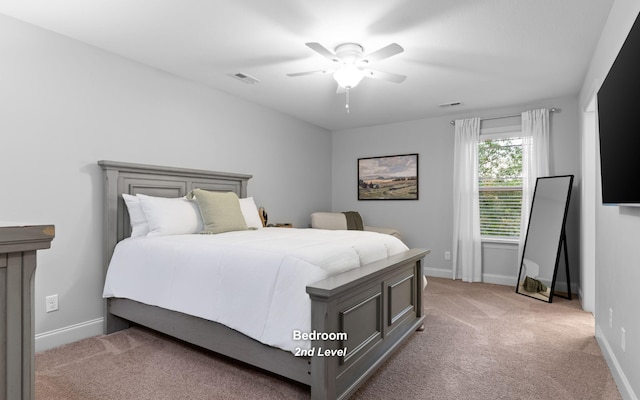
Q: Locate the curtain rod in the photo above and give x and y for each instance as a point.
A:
(452, 122)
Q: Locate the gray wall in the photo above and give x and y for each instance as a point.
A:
(617, 231)
(65, 105)
(428, 221)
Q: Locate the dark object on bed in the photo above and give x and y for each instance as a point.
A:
(378, 305)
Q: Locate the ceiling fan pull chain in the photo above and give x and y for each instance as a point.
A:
(347, 104)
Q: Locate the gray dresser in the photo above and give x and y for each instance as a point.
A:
(18, 246)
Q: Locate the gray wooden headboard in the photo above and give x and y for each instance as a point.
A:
(121, 177)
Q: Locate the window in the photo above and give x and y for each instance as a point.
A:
(500, 185)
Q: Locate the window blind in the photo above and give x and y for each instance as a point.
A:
(500, 186)
(500, 211)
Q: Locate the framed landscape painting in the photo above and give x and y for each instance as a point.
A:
(388, 177)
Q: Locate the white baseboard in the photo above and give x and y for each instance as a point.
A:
(488, 278)
(69, 334)
(626, 391)
(498, 279)
(506, 280)
(437, 272)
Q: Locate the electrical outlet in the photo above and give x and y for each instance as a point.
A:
(447, 255)
(623, 339)
(51, 303)
(610, 318)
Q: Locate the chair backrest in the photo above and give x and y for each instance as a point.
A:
(328, 220)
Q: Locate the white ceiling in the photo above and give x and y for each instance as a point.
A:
(485, 53)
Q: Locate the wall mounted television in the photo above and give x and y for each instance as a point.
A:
(619, 125)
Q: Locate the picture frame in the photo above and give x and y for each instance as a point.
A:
(388, 177)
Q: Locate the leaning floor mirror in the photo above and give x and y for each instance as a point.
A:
(546, 239)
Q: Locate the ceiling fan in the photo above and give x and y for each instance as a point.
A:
(353, 65)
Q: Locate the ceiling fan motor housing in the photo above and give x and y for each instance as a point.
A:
(349, 53)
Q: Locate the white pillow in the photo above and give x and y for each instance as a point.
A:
(250, 213)
(137, 219)
(171, 216)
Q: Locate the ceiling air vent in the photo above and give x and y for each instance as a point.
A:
(248, 79)
(452, 104)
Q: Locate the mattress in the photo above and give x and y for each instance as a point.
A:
(251, 281)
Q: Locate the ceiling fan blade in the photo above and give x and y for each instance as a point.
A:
(320, 49)
(385, 76)
(317, 72)
(385, 52)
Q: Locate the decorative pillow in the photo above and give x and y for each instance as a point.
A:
(137, 220)
(250, 213)
(220, 211)
(171, 216)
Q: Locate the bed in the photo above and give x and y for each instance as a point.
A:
(377, 306)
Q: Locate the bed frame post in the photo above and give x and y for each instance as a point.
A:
(110, 221)
(323, 372)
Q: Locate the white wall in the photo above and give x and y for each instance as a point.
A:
(65, 105)
(428, 221)
(618, 229)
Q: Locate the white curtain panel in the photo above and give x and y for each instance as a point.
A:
(467, 261)
(535, 162)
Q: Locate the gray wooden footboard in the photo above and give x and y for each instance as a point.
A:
(377, 306)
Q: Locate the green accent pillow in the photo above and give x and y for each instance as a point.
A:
(220, 211)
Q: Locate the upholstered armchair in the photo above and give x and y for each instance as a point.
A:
(341, 221)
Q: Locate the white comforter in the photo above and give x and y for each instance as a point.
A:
(251, 281)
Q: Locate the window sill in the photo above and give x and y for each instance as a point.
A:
(513, 241)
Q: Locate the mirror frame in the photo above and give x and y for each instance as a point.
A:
(562, 244)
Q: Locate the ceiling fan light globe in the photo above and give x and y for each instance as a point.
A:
(348, 76)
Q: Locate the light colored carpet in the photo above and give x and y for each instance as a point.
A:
(481, 341)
